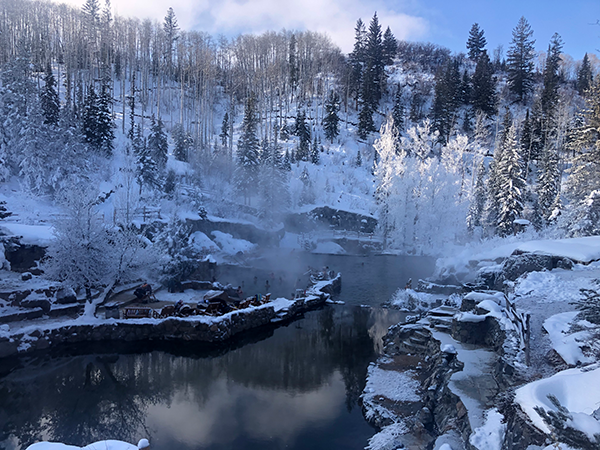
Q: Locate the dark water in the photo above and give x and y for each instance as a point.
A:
(294, 387)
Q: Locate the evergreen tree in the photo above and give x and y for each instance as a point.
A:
(358, 159)
(183, 142)
(446, 100)
(476, 42)
(286, 164)
(158, 145)
(303, 132)
(520, 60)
(390, 47)
(548, 186)
(224, 130)
(357, 59)
(510, 196)
(171, 30)
(476, 209)
(307, 195)
(273, 185)
(331, 120)
(549, 98)
(465, 91)
(373, 78)
(49, 99)
(248, 152)
(147, 167)
(365, 121)
(314, 152)
(483, 95)
(584, 76)
(583, 183)
(90, 119)
(398, 111)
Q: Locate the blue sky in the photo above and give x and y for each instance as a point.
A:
(441, 22)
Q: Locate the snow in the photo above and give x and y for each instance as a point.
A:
(40, 235)
(396, 386)
(387, 438)
(231, 245)
(469, 384)
(490, 435)
(577, 389)
(583, 249)
(567, 345)
(101, 445)
(330, 248)
(202, 242)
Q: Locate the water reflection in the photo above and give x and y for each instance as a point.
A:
(293, 387)
(297, 389)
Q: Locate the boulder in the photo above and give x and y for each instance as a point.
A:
(37, 301)
(517, 265)
(66, 295)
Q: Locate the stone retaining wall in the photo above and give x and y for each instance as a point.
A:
(198, 328)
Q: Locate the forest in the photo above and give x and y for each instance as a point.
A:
(441, 148)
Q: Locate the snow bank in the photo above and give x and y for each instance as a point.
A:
(583, 249)
(101, 445)
(40, 235)
(578, 390)
(330, 248)
(567, 345)
(491, 435)
(202, 242)
(231, 245)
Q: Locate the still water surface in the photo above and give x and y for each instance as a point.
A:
(293, 387)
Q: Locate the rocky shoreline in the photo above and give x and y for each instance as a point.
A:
(206, 329)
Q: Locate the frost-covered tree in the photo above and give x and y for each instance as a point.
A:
(390, 47)
(512, 184)
(224, 130)
(81, 255)
(584, 174)
(548, 186)
(307, 195)
(274, 191)
(549, 96)
(476, 208)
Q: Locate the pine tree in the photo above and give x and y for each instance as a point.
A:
(90, 119)
(286, 164)
(476, 209)
(182, 141)
(373, 78)
(148, 171)
(358, 159)
(510, 196)
(520, 60)
(476, 42)
(357, 59)
(365, 122)
(224, 130)
(584, 76)
(331, 120)
(548, 186)
(446, 99)
(549, 98)
(49, 99)
(248, 152)
(303, 132)
(307, 195)
(483, 95)
(158, 145)
(314, 152)
(171, 30)
(398, 111)
(98, 125)
(390, 47)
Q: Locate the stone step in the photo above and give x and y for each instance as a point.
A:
(417, 340)
(442, 327)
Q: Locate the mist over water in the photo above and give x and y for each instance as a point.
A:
(293, 387)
